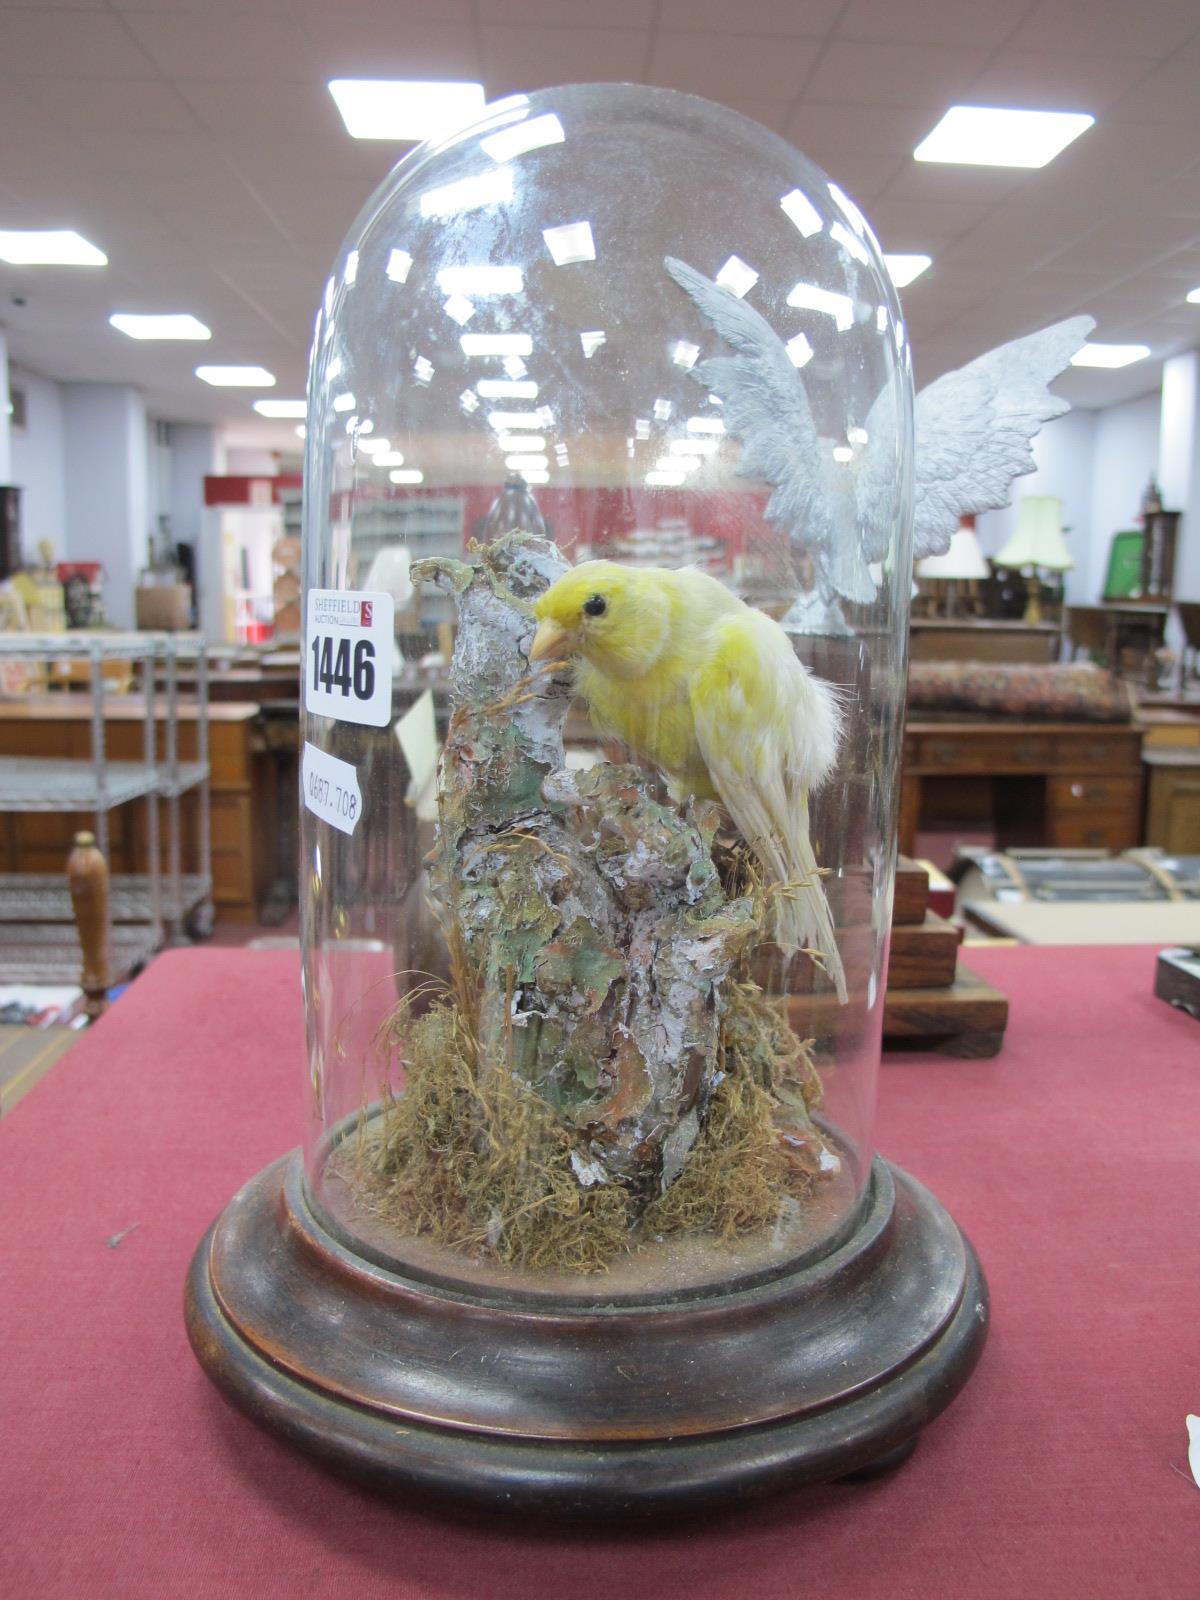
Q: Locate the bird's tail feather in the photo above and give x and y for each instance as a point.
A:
(801, 916)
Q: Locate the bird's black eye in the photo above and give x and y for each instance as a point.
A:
(595, 605)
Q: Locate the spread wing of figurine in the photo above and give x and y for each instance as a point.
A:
(974, 430)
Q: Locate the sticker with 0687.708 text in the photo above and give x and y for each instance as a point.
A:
(331, 789)
(349, 644)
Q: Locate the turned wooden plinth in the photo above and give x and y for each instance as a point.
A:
(586, 1406)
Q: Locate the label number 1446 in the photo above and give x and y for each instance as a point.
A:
(344, 670)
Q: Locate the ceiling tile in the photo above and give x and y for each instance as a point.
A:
(304, 111)
(1056, 82)
(568, 13)
(732, 64)
(805, 19)
(939, 22)
(517, 60)
(1108, 27)
(1170, 94)
(821, 127)
(894, 74)
(354, 47)
(82, 107)
(76, 44)
(245, 44)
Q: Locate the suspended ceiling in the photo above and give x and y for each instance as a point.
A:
(197, 144)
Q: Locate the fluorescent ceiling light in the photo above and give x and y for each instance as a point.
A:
(536, 477)
(705, 425)
(537, 463)
(281, 408)
(482, 280)
(56, 247)
(802, 212)
(377, 446)
(641, 428)
(737, 277)
(514, 366)
(665, 480)
(344, 402)
(800, 352)
(496, 344)
(678, 464)
(515, 421)
(1193, 298)
(1109, 355)
(301, 431)
(523, 136)
(389, 458)
(179, 325)
(407, 475)
(850, 242)
(662, 410)
(695, 447)
(507, 389)
(423, 369)
(468, 194)
(521, 441)
(237, 377)
(903, 269)
(592, 341)
(399, 265)
(838, 306)
(569, 243)
(684, 354)
(843, 453)
(393, 108)
(459, 308)
(469, 400)
(988, 136)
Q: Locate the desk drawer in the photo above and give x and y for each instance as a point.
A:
(1099, 752)
(1092, 830)
(935, 753)
(1085, 794)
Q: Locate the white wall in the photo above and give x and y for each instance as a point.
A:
(38, 463)
(1098, 463)
(5, 459)
(1126, 455)
(1064, 455)
(1179, 464)
(107, 487)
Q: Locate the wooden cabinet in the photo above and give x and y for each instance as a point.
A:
(1173, 799)
(1062, 784)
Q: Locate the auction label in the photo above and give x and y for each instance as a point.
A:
(331, 789)
(348, 664)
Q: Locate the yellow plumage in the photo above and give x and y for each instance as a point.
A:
(710, 691)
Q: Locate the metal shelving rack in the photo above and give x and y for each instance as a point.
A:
(37, 943)
(188, 894)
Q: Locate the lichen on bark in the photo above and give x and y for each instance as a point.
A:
(600, 1062)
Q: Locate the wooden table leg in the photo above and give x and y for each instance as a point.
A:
(87, 878)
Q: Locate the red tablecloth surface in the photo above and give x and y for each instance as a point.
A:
(1072, 1159)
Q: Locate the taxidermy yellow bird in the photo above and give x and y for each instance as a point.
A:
(710, 691)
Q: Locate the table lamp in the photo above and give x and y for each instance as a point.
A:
(1037, 546)
(963, 561)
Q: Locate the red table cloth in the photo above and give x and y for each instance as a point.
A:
(1072, 1160)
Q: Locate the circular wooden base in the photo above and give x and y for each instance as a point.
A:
(587, 1407)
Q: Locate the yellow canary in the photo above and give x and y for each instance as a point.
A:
(710, 691)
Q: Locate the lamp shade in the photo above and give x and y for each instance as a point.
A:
(964, 559)
(1038, 540)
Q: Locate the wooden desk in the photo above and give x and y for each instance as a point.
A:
(1161, 922)
(983, 639)
(1082, 783)
(242, 791)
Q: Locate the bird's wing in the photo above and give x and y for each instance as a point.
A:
(975, 428)
(766, 407)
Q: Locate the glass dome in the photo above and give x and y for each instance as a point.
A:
(607, 565)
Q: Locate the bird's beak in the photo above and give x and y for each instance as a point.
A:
(551, 641)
